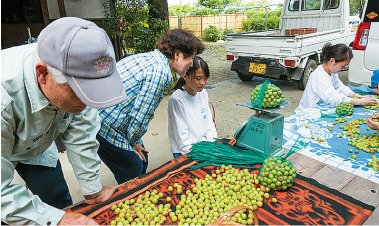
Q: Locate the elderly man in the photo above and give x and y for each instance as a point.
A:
(45, 88)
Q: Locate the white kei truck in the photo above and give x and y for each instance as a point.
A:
(365, 47)
(293, 50)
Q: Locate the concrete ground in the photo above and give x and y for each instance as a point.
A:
(224, 95)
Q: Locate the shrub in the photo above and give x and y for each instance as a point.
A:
(257, 21)
(211, 33)
(226, 31)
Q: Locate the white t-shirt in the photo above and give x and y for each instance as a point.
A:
(189, 120)
(322, 87)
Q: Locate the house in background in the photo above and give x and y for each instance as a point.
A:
(19, 15)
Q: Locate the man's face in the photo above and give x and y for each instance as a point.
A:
(62, 96)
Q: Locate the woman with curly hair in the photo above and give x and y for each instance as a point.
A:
(145, 77)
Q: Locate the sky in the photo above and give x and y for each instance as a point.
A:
(191, 2)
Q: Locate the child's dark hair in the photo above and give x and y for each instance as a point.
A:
(179, 39)
(198, 62)
(340, 52)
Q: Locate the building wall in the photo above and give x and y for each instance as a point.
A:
(78, 8)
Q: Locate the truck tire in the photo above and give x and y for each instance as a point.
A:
(244, 76)
(309, 68)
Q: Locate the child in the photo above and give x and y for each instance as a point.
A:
(189, 116)
(325, 86)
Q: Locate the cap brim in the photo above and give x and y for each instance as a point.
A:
(98, 93)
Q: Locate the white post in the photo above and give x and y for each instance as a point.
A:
(219, 26)
(266, 17)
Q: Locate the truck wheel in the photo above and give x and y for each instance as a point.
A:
(244, 76)
(309, 68)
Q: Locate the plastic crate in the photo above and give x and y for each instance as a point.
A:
(300, 31)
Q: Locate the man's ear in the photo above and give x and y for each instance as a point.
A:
(41, 72)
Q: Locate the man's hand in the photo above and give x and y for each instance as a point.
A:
(76, 219)
(106, 194)
(138, 149)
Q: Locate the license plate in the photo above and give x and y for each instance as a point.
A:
(257, 68)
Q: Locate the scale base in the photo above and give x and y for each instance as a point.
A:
(262, 132)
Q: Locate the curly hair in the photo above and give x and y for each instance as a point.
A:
(179, 39)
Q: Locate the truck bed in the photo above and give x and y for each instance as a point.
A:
(272, 44)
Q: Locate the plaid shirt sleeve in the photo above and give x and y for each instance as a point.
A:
(146, 102)
(144, 77)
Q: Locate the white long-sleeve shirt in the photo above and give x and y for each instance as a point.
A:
(189, 120)
(322, 87)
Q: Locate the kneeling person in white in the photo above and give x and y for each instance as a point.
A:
(189, 116)
(324, 86)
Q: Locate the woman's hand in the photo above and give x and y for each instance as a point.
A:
(138, 149)
(363, 101)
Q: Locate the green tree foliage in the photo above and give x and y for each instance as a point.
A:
(214, 4)
(258, 3)
(355, 7)
(129, 21)
(187, 10)
(181, 10)
(203, 11)
(212, 34)
(313, 4)
(257, 21)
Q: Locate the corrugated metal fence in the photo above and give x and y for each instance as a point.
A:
(197, 24)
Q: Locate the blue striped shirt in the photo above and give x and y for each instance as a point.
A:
(145, 77)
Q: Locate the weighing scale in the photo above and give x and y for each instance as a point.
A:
(263, 131)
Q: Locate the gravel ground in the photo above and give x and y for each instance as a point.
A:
(219, 67)
(215, 56)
